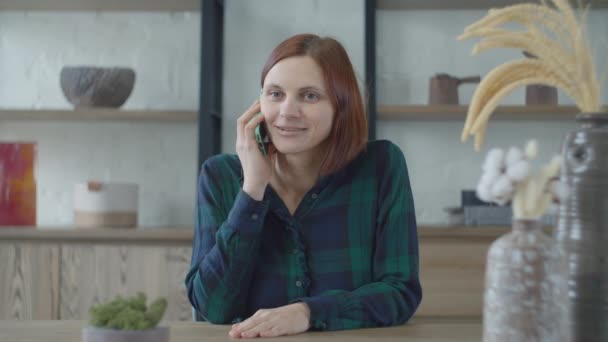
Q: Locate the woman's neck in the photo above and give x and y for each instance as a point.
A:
(298, 172)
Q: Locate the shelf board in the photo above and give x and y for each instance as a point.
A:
(107, 234)
(462, 4)
(459, 112)
(98, 115)
(101, 5)
(184, 234)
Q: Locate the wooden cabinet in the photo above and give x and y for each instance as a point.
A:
(452, 276)
(29, 287)
(60, 274)
(61, 279)
(91, 274)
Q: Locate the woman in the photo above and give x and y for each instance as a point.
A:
(320, 234)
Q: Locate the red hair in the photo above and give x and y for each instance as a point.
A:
(348, 135)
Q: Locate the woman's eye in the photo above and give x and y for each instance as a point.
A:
(274, 94)
(311, 96)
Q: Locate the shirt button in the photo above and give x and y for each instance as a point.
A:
(254, 216)
(314, 196)
(298, 283)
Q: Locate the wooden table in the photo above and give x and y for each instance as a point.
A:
(427, 330)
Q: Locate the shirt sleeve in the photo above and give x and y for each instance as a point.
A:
(394, 295)
(225, 247)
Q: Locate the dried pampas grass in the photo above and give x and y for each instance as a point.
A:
(556, 36)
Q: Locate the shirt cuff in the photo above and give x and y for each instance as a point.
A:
(322, 309)
(247, 215)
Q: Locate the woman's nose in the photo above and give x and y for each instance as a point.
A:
(289, 107)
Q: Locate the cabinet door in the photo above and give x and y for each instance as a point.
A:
(452, 276)
(29, 280)
(93, 273)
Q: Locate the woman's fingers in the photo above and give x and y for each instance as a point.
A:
(249, 325)
(257, 329)
(243, 120)
(251, 125)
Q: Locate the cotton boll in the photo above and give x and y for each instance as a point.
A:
(494, 160)
(503, 187)
(489, 177)
(519, 171)
(484, 191)
(531, 150)
(485, 186)
(502, 200)
(559, 190)
(514, 155)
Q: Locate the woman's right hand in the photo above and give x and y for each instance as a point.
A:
(257, 168)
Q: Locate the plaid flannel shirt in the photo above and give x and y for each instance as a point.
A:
(350, 250)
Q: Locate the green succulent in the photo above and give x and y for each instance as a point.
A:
(128, 313)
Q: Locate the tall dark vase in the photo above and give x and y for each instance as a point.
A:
(582, 228)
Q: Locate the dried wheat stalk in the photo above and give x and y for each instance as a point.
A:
(564, 58)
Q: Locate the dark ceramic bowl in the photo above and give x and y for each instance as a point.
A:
(86, 86)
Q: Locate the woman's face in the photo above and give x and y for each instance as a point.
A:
(294, 100)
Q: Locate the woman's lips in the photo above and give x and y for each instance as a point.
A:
(289, 131)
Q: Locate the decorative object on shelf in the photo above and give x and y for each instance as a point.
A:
(564, 61)
(98, 204)
(538, 94)
(455, 216)
(127, 320)
(525, 295)
(88, 86)
(483, 213)
(443, 88)
(17, 184)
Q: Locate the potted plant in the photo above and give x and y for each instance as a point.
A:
(127, 320)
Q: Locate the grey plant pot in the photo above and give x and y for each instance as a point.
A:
(93, 334)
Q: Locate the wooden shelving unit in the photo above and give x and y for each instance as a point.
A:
(100, 5)
(98, 115)
(462, 4)
(458, 112)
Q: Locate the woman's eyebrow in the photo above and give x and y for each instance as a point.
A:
(311, 88)
(272, 85)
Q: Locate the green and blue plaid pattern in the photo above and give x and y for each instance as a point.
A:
(350, 250)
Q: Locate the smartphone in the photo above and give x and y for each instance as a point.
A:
(261, 136)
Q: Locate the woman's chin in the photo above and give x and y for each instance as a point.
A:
(290, 149)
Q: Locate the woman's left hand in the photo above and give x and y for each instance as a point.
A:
(285, 320)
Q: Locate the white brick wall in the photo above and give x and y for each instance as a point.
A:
(163, 48)
(413, 46)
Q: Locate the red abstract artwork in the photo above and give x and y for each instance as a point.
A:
(17, 184)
